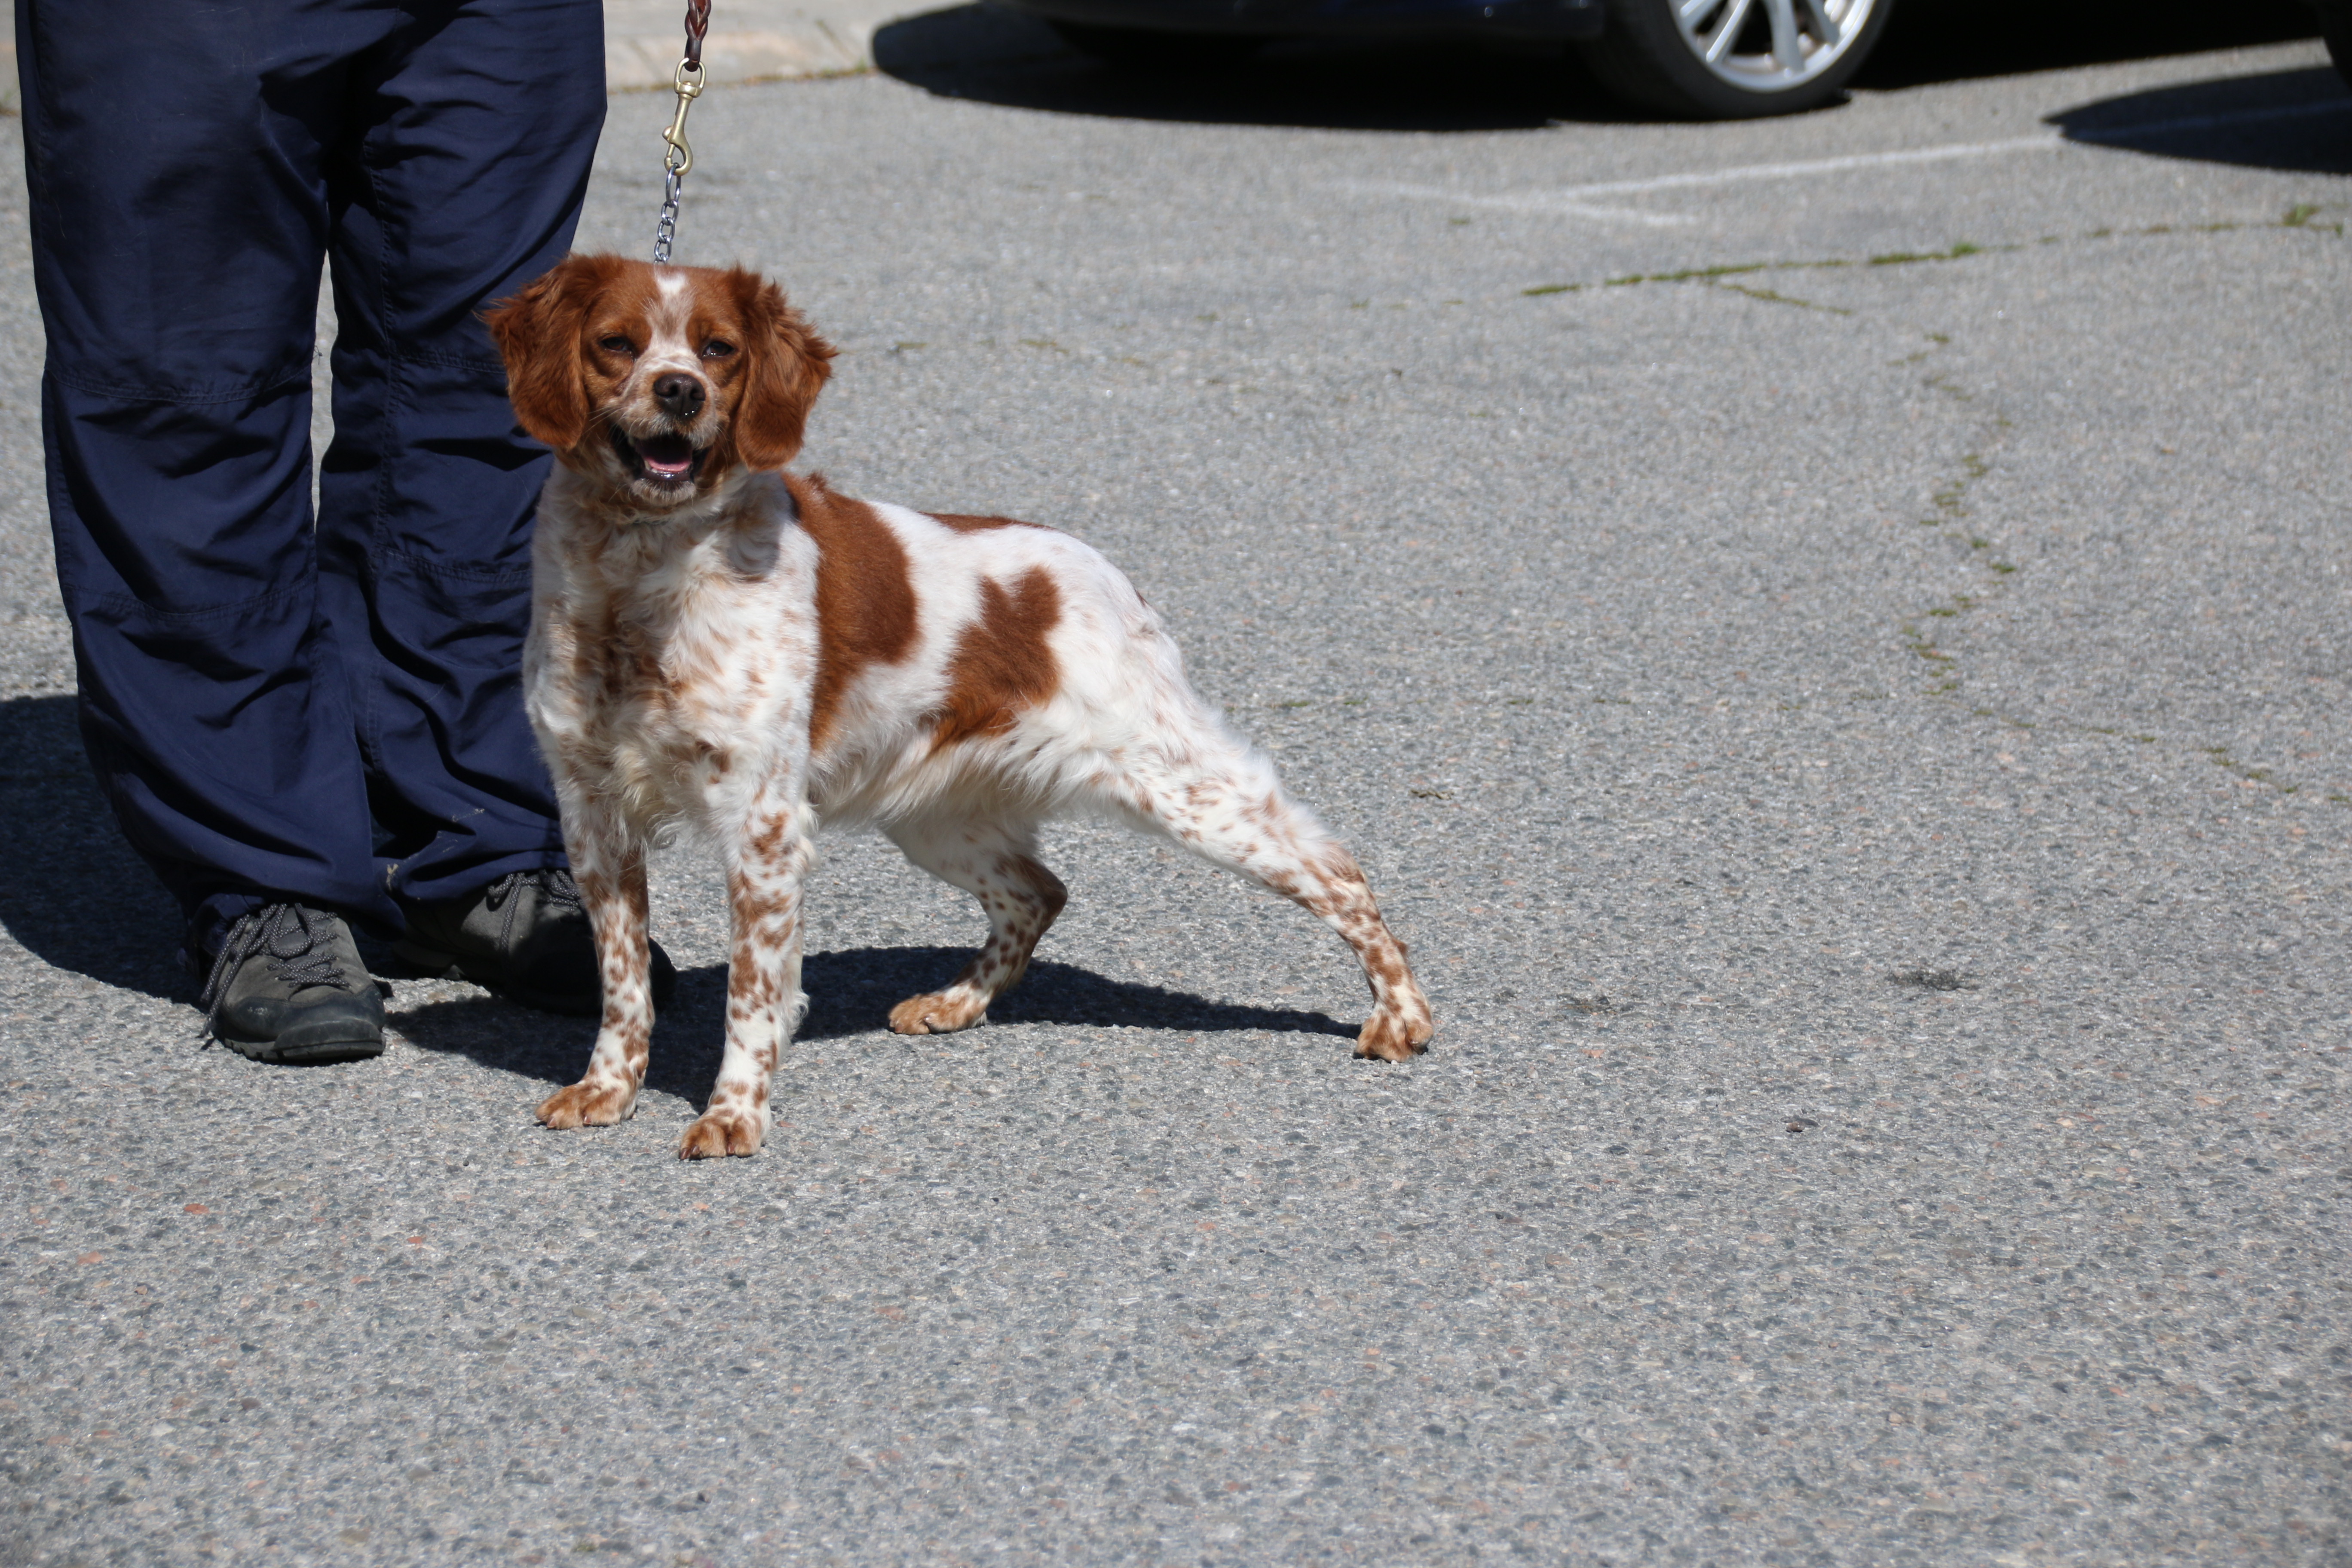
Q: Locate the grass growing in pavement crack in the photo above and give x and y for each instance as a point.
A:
(1714, 277)
(1946, 679)
(1936, 979)
(2221, 758)
(2299, 216)
(1943, 385)
(1903, 257)
(1950, 499)
(1972, 469)
(1770, 298)
(2219, 755)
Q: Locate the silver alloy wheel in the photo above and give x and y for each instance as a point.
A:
(1799, 38)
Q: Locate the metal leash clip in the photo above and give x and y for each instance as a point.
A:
(680, 157)
(677, 157)
(676, 160)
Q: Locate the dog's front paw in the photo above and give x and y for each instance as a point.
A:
(588, 1103)
(1393, 1037)
(942, 1013)
(722, 1132)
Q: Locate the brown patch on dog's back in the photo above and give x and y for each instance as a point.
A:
(1002, 663)
(967, 523)
(865, 595)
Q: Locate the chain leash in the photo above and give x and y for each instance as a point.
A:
(677, 157)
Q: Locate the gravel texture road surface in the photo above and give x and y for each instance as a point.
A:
(1831, 638)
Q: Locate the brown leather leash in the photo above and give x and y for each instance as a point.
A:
(676, 156)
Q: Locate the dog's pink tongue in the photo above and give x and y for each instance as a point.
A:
(668, 456)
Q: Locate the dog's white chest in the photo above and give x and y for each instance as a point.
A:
(679, 686)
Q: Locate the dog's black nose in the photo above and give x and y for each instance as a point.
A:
(681, 395)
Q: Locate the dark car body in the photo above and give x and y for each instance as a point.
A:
(1560, 19)
(1698, 59)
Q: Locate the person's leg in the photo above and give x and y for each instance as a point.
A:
(481, 121)
(178, 212)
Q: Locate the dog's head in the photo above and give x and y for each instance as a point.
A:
(658, 382)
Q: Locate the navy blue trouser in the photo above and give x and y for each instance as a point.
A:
(281, 707)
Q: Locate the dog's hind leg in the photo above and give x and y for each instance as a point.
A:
(1219, 799)
(995, 862)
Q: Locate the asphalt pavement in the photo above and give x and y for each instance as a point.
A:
(1830, 637)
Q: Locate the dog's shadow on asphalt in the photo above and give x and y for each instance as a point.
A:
(75, 897)
(850, 993)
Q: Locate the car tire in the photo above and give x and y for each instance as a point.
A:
(1149, 52)
(1653, 57)
(2336, 26)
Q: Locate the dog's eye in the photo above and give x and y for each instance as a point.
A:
(616, 344)
(716, 348)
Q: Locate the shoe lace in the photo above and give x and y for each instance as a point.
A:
(554, 884)
(298, 942)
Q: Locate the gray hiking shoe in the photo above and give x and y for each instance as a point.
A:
(289, 986)
(525, 937)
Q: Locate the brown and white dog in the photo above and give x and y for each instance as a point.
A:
(721, 648)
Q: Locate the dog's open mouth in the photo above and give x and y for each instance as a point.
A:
(665, 460)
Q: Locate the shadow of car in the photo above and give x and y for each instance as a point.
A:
(2296, 120)
(1691, 59)
(1706, 58)
(2336, 26)
(986, 54)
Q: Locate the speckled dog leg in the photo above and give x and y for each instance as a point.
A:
(764, 1001)
(1223, 801)
(996, 863)
(612, 877)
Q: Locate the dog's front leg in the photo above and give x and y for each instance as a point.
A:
(769, 862)
(611, 870)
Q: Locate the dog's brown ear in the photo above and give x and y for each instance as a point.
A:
(538, 334)
(788, 367)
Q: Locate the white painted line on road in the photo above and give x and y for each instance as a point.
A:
(1557, 202)
(1817, 166)
(1576, 201)
(1572, 199)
